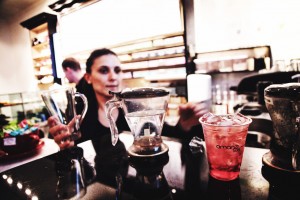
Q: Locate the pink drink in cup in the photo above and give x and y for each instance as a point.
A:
(225, 137)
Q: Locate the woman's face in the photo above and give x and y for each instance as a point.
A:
(106, 74)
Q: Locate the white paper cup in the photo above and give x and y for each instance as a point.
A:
(198, 87)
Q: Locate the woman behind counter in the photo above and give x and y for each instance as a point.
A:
(104, 73)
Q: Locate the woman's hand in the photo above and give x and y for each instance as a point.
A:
(191, 112)
(60, 132)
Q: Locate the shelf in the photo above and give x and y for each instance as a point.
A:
(5, 104)
(44, 45)
(40, 76)
(154, 68)
(154, 58)
(47, 66)
(44, 57)
(229, 72)
(48, 79)
(40, 29)
(166, 79)
(151, 48)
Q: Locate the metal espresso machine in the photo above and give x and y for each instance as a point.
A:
(281, 165)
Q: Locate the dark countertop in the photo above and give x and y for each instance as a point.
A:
(184, 175)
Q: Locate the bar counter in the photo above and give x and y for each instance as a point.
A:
(179, 174)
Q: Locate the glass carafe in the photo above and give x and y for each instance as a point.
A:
(283, 104)
(71, 176)
(144, 110)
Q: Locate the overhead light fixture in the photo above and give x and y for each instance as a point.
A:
(62, 6)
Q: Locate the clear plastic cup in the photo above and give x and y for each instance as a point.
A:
(225, 138)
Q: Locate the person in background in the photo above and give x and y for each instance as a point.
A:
(104, 73)
(73, 73)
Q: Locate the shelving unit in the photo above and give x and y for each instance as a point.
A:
(158, 58)
(41, 30)
(41, 54)
(234, 60)
(21, 105)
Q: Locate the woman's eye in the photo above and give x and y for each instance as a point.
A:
(117, 70)
(104, 70)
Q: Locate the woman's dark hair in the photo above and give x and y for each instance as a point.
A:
(88, 90)
(95, 54)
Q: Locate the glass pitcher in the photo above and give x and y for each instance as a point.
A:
(62, 102)
(144, 109)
